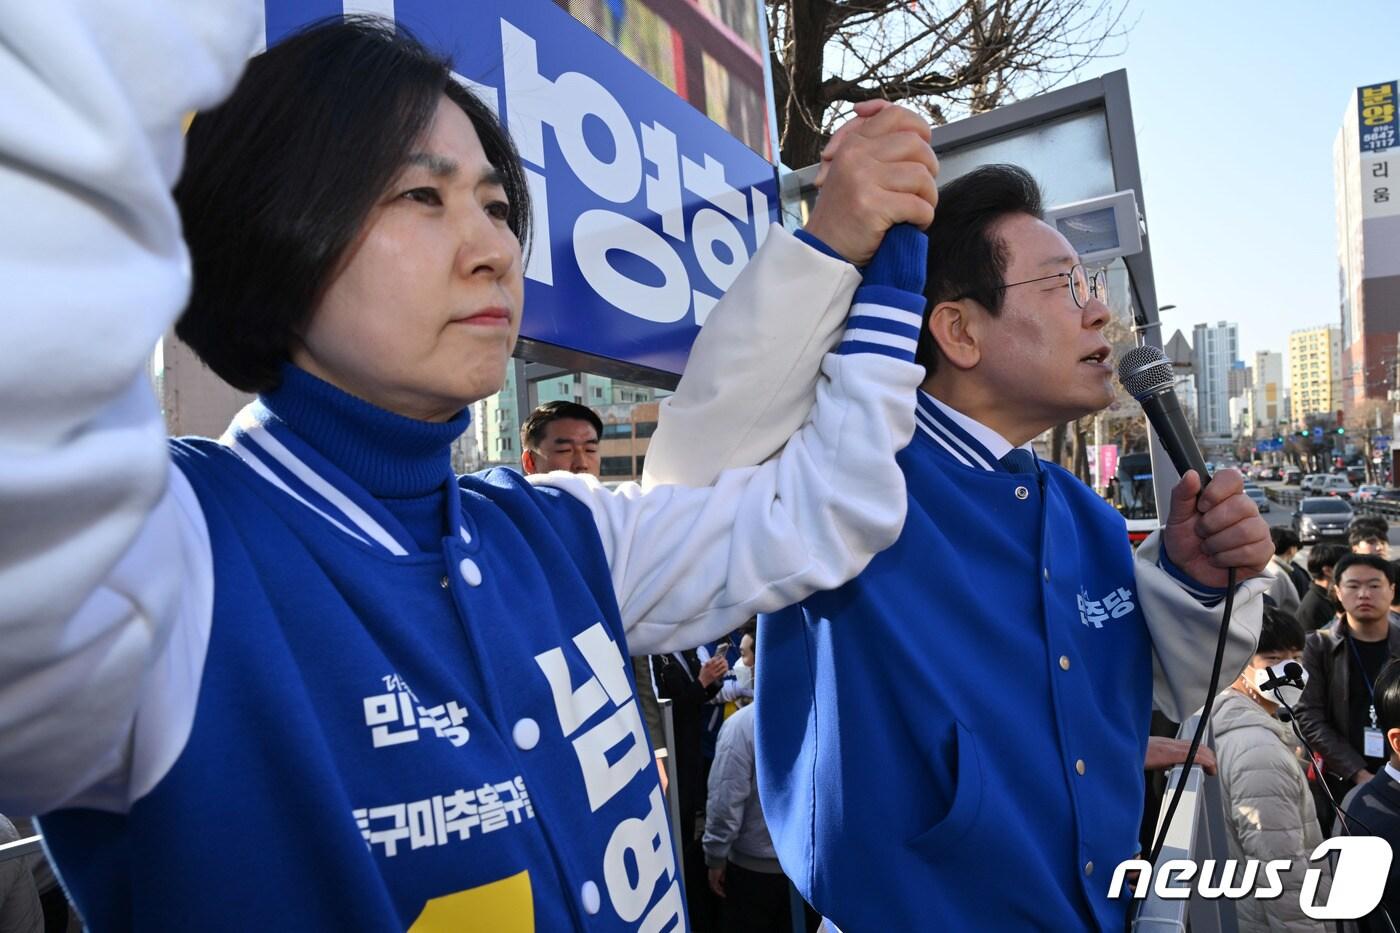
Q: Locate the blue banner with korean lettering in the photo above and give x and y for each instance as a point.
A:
(1376, 115)
(645, 209)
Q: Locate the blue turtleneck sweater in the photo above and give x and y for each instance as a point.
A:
(404, 463)
(395, 723)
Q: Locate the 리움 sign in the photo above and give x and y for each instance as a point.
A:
(645, 210)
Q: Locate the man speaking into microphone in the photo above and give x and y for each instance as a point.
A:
(960, 731)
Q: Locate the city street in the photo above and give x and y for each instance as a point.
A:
(1281, 515)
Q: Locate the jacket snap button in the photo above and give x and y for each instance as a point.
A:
(526, 734)
(470, 571)
(1022, 492)
(590, 897)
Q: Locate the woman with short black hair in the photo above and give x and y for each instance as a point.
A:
(303, 677)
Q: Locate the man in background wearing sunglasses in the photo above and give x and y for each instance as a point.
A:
(996, 780)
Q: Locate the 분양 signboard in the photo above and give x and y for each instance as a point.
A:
(1379, 123)
(1379, 126)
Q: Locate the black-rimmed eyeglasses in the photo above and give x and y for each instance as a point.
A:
(1082, 286)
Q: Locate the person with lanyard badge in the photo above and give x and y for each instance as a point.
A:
(1370, 657)
(1337, 712)
(1373, 808)
(304, 677)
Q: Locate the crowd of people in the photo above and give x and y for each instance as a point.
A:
(1320, 754)
(1277, 806)
(1339, 618)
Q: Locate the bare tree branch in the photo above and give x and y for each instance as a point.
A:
(944, 58)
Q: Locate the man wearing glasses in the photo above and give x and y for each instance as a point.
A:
(1338, 712)
(961, 730)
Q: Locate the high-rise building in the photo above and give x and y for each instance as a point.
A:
(1242, 416)
(1270, 407)
(1241, 384)
(1366, 171)
(1314, 372)
(627, 431)
(1240, 379)
(1214, 352)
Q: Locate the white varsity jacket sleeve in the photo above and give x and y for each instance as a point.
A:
(1185, 626)
(691, 564)
(773, 356)
(104, 554)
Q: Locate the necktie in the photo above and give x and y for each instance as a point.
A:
(1019, 460)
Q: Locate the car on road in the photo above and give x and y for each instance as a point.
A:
(1322, 518)
(1312, 482)
(1366, 492)
(1292, 476)
(1335, 485)
(1256, 495)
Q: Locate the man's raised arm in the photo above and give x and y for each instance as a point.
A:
(752, 375)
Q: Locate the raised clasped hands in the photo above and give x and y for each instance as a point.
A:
(878, 170)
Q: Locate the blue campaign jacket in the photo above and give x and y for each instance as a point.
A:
(348, 675)
(920, 729)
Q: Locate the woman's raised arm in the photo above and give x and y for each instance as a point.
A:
(101, 548)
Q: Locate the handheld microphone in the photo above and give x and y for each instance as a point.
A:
(1146, 374)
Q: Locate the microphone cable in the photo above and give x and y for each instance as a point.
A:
(1342, 816)
(1346, 820)
(1205, 716)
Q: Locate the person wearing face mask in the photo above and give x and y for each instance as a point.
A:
(1269, 810)
(736, 690)
(743, 671)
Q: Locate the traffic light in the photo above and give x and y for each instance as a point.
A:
(1341, 430)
